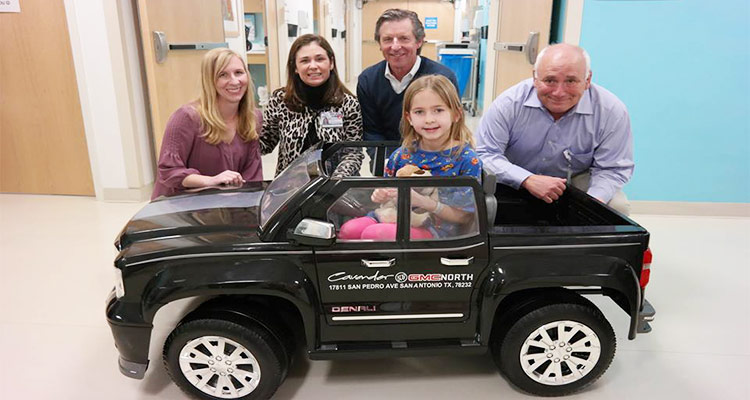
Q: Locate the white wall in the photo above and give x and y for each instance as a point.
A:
(489, 67)
(573, 17)
(237, 43)
(293, 9)
(113, 116)
(460, 7)
(354, 38)
(291, 13)
(141, 140)
(335, 19)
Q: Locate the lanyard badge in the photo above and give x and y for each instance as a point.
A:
(331, 119)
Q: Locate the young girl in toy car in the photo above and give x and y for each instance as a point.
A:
(435, 139)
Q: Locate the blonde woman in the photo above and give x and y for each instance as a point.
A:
(213, 140)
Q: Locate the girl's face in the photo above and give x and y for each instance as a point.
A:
(431, 118)
(231, 84)
(313, 65)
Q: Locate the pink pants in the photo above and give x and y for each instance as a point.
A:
(367, 228)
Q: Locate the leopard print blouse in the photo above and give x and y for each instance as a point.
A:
(287, 128)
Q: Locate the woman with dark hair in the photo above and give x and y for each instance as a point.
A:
(213, 140)
(314, 106)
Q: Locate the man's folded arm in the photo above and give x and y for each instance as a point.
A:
(491, 142)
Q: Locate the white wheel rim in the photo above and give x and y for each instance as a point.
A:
(219, 367)
(560, 352)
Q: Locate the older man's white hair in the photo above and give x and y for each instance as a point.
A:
(581, 49)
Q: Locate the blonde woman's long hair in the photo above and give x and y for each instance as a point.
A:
(212, 124)
(445, 90)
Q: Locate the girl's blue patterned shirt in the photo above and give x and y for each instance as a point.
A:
(442, 163)
(439, 163)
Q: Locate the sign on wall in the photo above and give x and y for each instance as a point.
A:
(10, 6)
(430, 23)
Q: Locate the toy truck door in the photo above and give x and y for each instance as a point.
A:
(390, 281)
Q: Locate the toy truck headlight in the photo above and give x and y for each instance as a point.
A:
(119, 285)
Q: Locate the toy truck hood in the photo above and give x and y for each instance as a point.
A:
(225, 217)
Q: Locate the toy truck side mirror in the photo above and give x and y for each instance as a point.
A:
(312, 232)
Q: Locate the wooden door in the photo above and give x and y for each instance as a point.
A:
(42, 138)
(516, 20)
(176, 81)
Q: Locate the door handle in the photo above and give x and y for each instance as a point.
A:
(161, 46)
(456, 262)
(531, 47)
(379, 263)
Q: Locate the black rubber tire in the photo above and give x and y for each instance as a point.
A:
(269, 353)
(507, 349)
(249, 314)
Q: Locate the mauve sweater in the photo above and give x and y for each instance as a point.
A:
(185, 152)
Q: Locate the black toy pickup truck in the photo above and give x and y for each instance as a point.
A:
(275, 265)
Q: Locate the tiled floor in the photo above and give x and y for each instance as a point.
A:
(56, 269)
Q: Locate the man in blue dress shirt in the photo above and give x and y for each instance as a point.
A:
(558, 127)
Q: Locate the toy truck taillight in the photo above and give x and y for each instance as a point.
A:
(646, 270)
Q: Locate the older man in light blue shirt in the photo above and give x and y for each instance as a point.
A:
(558, 127)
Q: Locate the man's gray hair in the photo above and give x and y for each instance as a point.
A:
(586, 57)
(397, 14)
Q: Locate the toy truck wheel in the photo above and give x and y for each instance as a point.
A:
(212, 358)
(556, 349)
